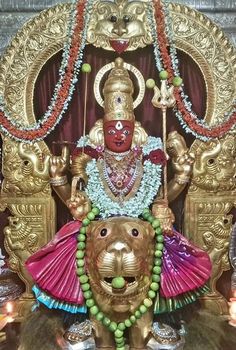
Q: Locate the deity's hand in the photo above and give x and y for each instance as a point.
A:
(183, 164)
(182, 159)
(79, 205)
(59, 165)
(162, 212)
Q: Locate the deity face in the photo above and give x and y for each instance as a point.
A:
(118, 135)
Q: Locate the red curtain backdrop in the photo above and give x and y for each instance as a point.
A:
(71, 126)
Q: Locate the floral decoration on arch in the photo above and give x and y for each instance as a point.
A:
(166, 59)
(69, 70)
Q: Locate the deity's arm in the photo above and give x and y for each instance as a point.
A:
(79, 204)
(175, 187)
(58, 168)
(74, 198)
(63, 192)
(182, 164)
(161, 210)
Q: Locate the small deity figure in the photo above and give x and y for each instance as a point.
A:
(120, 169)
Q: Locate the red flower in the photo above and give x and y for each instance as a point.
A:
(156, 157)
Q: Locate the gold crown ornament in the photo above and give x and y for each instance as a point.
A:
(118, 101)
(118, 90)
(118, 94)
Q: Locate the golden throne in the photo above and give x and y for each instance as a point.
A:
(26, 191)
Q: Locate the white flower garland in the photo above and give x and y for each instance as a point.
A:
(170, 36)
(83, 142)
(152, 144)
(133, 207)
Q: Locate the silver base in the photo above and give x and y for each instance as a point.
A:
(154, 345)
(88, 344)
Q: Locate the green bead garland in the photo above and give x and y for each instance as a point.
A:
(80, 271)
(100, 316)
(118, 329)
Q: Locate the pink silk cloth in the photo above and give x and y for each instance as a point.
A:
(53, 267)
(184, 266)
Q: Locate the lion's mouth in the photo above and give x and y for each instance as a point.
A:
(129, 287)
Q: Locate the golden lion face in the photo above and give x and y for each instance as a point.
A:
(121, 21)
(120, 247)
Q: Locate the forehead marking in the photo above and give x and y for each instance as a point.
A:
(119, 125)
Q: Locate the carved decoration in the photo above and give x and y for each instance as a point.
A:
(216, 244)
(208, 224)
(211, 197)
(200, 38)
(33, 45)
(27, 232)
(215, 167)
(28, 173)
(119, 20)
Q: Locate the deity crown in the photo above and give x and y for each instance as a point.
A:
(118, 90)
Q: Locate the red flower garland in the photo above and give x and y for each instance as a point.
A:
(31, 135)
(191, 121)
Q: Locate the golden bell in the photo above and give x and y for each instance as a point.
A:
(118, 91)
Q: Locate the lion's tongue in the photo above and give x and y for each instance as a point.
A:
(119, 45)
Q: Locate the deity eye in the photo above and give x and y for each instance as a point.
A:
(103, 232)
(126, 132)
(111, 132)
(113, 19)
(134, 232)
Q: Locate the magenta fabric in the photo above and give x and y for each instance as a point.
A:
(53, 267)
(184, 266)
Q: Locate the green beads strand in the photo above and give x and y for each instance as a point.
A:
(118, 282)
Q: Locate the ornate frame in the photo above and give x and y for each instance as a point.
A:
(32, 206)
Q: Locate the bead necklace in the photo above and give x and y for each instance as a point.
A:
(119, 328)
(118, 188)
(121, 174)
(117, 156)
